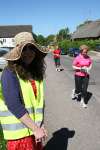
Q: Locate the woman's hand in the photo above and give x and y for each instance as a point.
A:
(45, 131)
(39, 133)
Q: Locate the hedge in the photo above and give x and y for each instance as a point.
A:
(66, 44)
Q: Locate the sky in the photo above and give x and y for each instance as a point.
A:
(48, 16)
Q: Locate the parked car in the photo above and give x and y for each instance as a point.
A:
(73, 52)
(3, 62)
(63, 52)
(97, 48)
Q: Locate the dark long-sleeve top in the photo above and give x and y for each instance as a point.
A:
(11, 93)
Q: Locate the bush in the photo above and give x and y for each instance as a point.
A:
(66, 44)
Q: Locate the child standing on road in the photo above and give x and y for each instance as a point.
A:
(56, 54)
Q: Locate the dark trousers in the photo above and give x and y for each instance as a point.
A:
(81, 85)
(57, 62)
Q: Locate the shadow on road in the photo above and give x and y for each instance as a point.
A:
(59, 141)
(89, 95)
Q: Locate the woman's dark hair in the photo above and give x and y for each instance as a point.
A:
(36, 69)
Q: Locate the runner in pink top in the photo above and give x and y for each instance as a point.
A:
(82, 65)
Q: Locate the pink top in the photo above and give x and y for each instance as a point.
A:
(80, 61)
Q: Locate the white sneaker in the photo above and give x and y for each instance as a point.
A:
(59, 70)
(83, 104)
(73, 94)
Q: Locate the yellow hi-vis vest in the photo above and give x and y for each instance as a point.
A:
(12, 127)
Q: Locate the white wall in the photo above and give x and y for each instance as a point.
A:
(6, 42)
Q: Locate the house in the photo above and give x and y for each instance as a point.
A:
(89, 30)
(8, 32)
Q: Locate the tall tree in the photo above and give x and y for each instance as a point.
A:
(50, 39)
(41, 40)
(63, 34)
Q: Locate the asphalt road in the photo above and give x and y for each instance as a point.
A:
(71, 127)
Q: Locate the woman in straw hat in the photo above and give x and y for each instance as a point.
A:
(21, 100)
(82, 65)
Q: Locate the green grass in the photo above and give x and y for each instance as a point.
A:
(2, 141)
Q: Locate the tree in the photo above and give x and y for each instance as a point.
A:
(50, 39)
(41, 40)
(63, 34)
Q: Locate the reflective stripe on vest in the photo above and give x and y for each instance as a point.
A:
(30, 110)
(16, 126)
(12, 127)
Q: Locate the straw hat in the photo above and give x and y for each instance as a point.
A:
(21, 40)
